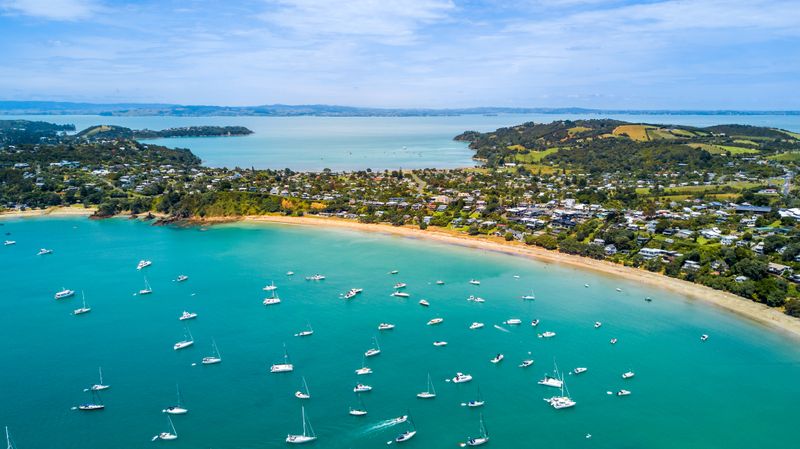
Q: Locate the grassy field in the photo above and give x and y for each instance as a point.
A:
(658, 133)
(722, 149)
(789, 133)
(792, 156)
(577, 130)
(635, 132)
(534, 157)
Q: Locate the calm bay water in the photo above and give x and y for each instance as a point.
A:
(352, 143)
(732, 391)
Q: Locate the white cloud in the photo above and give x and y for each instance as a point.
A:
(387, 21)
(62, 10)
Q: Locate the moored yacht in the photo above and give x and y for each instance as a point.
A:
(177, 409)
(143, 264)
(400, 294)
(44, 251)
(308, 434)
(534, 323)
(187, 316)
(513, 321)
(435, 321)
(84, 308)
(482, 439)
(304, 393)
(430, 393)
(526, 363)
(498, 358)
(147, 289)
(563, 401)
(305, 333)
(181, 278)
(400, 285)
(373, 351)
(272, 300)
(628, 375)
(270, 287)
(9, 242)
(548, 334)
(65, 293)
(623, 393)
(424, 303)
(185, 343)
(461, 378)
(315, 277)
(439, 282)
(362, 388)
(530, 297)
(169, 435)
(284, 367)
(476, 325)
(385, 326)
(440, 343)
(212, 359)
(613, 341)
(474, 282)
(580, 370)
(473, 298)
(100, 386)
(597, 324)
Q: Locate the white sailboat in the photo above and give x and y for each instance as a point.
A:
(408, 434)
(147, 289)
(476, 402)
(361, 410)
(304, 393)
(83, 309)
(306, 333)
(554, 381)
(308, 432)
(187, 341)
(270, 287)
(284, 367)
(530, 297)
(482, 439)
(272, 300)
(364, 368)
(96, 404)
(171, 434)
(177, 409)
(373, 351)
(563, 401)
(430, 393)
(100, 386)
(212, 359)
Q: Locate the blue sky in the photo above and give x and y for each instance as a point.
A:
(691, 54)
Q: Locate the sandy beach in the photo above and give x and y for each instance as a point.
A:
(743, 307)
(59, 211)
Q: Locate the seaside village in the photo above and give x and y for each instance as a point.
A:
(734, 231)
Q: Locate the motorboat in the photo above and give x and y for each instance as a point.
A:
(9, 242)
(44, 251)
(476, 325)
(461, 378)
(579, 370)
(513, 321)
(597, 324)
(439, 282)
(385, 326)
(526, 363)
(474, 282)
(143, 264)
(363, 371)
(440, 343)
(548, 334)
(362, 388)
(187, 316)
(435, 321)
(182, 277)
(474, 298)
(613, 341)
(65, 293)
(399, 285)
(400, 294)
(424, 303)
(498, 358)
(704, 337)
(628, 375)
(315, 277)
(623, 393)
(535, 323)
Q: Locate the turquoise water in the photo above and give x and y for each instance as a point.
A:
(735, 390)
(351, 143)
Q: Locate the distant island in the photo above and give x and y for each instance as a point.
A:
(120, 132)
(282, 110)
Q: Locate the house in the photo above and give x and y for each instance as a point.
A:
(690, 265)
(728, 240)
(610, 250)
(650, 253)
(778, 269)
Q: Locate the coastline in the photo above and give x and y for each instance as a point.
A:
(742, 307)
(745, 308)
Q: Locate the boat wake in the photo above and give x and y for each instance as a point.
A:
(501, 328)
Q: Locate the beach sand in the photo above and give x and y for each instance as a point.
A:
(59, 211)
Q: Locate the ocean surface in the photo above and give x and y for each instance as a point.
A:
(356, 143)
(736, 390)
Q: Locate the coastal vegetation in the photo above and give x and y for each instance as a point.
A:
(656, 197)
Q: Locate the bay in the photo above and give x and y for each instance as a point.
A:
(356, 143)
(732, 391)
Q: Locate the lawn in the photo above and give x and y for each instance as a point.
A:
(635, 132)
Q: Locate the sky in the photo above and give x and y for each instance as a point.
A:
(625, 54)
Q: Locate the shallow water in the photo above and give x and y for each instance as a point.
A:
(732, 391)
(353, 143)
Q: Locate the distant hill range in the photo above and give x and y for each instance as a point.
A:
(282, 110)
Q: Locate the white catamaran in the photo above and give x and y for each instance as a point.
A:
(284, 367)
(430, 393)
